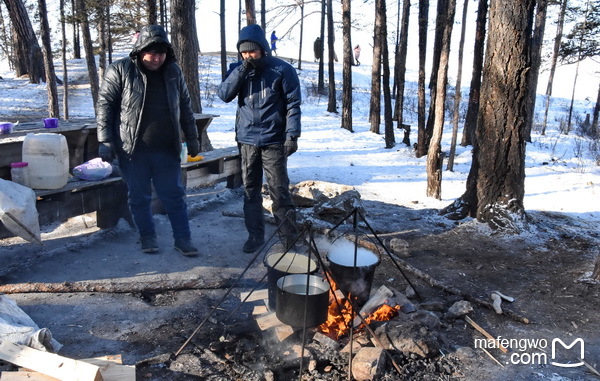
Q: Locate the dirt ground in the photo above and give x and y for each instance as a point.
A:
(543, 270)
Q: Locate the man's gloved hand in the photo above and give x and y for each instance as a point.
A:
(106, 152)
(193, 146)
(290, 146)
(249, 63)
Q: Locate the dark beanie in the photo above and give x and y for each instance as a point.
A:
(157, 47)
(248, 46)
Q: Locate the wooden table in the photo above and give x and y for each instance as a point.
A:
(81, 135)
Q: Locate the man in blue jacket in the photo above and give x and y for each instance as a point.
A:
(267, 128)
(144, 113)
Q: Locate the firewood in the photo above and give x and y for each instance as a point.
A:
(485, 333)
(255, 295)
(49, 363)
(116, 286)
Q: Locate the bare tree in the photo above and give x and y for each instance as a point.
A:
(263, 14)
(457, 91)
(321, 81)
(89, 50)
(64, 61)
(390, 141)
(152, 12)
(423, 15)
(48, 61)
(536, 59)
(76, 31)
(347, 70)
(250, 12)
(29, 58)
(557, 39)
(496, 182)
(594, 127)
(223, 40)
(474, 90)
(375, 104)
(331, 104)
(434, 154)
(400, 72)
(301, 4)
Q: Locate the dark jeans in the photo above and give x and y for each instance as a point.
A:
(272, 160)
(161, 169)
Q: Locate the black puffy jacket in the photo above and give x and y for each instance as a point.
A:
(269, 96)
(122, 94)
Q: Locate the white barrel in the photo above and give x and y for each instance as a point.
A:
(48, 158)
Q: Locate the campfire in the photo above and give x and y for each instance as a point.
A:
(341, 317)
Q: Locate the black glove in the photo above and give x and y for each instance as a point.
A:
(106, 152)
(249, 63)
(193, 146)
(290, 146)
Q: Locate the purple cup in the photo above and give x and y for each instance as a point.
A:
(51, 122)
(6, 128)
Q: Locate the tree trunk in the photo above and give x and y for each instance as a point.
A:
(570, 117)
(496, 183)
(457, 91)
(152, 13)
(321, 81)
(375, 104)
(331, 104)
(89, 50)
(250, 12)
(390, 140)
(28, 52)
(301, 34)
(557, 38)
(223, 41)
(64, 61)
(400, 66)
(440, 26)
(5, 42)
(423, 16)
(594, 128)
(468, 136)
(536, 59)
(76, 24)
(186, 46)
(434, 154)
(263, 14)
(347, 70)
(53, 110)
(102, 36)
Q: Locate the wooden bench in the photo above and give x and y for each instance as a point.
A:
(108, 197)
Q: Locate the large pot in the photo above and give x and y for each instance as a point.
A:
(281, 264)
(294, 292)
(353, 275)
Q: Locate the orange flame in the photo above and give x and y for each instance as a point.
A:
(340, 317)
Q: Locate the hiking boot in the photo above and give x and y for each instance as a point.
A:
(149, 244)
(184, 245)
(252, 244)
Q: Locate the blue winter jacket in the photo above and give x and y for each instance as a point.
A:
(269, 96)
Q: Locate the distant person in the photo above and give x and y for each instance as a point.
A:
(267, 127)
(143, 109)
(135, 36)
(274, 40)
(357, 54)
(318, 48)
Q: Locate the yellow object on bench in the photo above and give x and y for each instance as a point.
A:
(195, 158)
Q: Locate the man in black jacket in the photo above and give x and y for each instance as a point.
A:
(267, 128)
(143, 108)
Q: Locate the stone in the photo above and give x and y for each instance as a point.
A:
(368, 363)
(458, 309)
(399, 247)
(414, 338)
(427, 318)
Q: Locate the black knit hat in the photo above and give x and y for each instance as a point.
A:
(157, 47)
(249, 46)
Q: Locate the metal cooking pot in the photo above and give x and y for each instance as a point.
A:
(294, 292)
(280, 264)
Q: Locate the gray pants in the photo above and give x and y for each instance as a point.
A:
(272, 161)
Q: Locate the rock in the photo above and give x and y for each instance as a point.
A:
(414, 338)
(464, 354)
(368, 363)
(335, 209)
(410, 292)
(458, 309)
(326, 341)
(427, 318)
(399, 247)
(433, 305)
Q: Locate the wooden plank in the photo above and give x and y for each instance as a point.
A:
(260, 310)
(24, 375)
(255, 295)
(50, 364)
(268, 321)
(111, 368)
